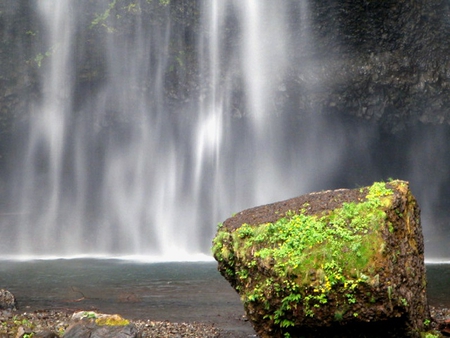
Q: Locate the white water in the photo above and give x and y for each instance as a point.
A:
(157, 183)
(113, 173)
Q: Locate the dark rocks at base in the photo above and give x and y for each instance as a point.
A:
(7, 300)
(45, 334)
(22, 332)
(93, 325)
(444, 327)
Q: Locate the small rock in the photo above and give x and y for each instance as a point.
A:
(45, 334)
(94, 325)
(7, 300)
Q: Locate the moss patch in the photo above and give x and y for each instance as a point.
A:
(111, 320)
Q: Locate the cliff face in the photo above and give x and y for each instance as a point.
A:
(25, 49)
(343, 263)
(383, 61)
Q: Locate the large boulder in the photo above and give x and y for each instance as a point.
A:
(342, 263)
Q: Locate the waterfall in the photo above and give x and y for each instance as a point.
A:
(42, 177)
(127, 152)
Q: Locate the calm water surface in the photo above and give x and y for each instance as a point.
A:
(157, 291)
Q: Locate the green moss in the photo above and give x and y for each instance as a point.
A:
(431, 334)
(220, 248)
(89, 314)
(341, 242)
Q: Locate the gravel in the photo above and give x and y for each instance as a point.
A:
(12, 322)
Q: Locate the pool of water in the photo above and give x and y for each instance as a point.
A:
(438, 277)
(188, 291)
(176, 292)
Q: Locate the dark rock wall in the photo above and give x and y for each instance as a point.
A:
(23, 47)
(384, 61)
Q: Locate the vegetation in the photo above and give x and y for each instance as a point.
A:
(113, 320)
(24, 326)
(120, 8)
(103, 320)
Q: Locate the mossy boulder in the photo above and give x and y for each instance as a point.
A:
(341, 263)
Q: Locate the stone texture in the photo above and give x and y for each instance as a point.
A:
(7, 300)
(335, 294)
(94, 325)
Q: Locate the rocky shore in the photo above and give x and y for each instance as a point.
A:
(53, 323)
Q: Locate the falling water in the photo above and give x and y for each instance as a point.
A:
(48, 135)
(111, 169)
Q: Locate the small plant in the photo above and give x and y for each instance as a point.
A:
(350, 298)
(40, 57)
(338, 315)
(89, 314)
(391, 228)
(101, 18)
(389, 291)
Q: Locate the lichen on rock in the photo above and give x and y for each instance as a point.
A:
(340, 263)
